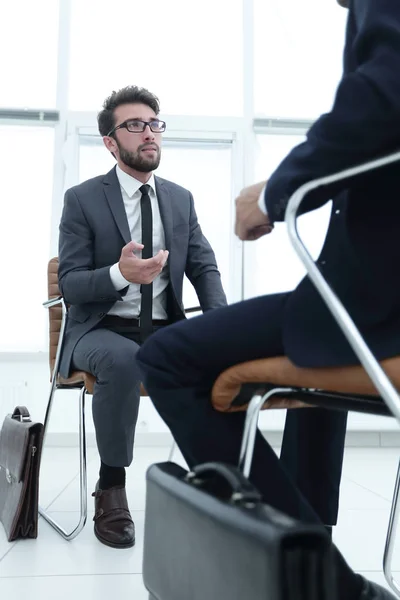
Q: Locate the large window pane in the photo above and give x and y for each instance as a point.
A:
(298, 56)
(26, 159)
(28, 50)
(183, 164)
(271, 265)
(188, 53)
(94, 158)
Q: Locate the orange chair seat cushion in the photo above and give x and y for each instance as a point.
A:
(88, 380)
(78, 378)
(280, 371)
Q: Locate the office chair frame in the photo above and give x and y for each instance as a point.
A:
(387, 391)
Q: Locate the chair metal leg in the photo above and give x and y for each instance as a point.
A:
(82, 470)
(250, 426)
(172, 450)
(391, 537)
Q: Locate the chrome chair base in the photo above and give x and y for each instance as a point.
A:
(246, 454)
(83, 485)
(82, 472)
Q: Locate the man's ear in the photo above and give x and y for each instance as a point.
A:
(110, 144)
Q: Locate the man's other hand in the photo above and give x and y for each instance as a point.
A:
(251, 222)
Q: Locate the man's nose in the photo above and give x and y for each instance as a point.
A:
(148, 134)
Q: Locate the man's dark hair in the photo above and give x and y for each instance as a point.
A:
(128, 95)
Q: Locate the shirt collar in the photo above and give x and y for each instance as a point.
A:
(130, 184)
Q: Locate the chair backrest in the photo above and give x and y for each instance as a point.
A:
(55, 313)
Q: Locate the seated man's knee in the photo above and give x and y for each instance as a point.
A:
(119, 364)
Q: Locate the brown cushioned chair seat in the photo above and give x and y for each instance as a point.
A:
(55, 318)
(281, 372)
(79, 377)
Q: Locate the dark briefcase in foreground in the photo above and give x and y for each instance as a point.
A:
(20, 451)
(210, 537)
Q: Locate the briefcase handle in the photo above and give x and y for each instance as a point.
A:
(242, 491)
(21, 413)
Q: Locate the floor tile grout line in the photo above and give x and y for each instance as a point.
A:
(8, 551)
(60, 493)
(67, 485)
(135, 574)
(368, 490)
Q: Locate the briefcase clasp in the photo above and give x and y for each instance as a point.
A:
(10, 479)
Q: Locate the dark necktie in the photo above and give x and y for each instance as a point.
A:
(146, 308)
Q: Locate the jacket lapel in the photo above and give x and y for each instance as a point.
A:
(113, 194)
(164, 202)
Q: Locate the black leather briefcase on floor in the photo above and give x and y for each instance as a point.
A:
(200, 547)
(208, 536)
(20, 450)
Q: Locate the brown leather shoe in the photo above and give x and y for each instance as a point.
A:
(113, 523)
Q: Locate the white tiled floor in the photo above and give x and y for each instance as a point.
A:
(49, 567)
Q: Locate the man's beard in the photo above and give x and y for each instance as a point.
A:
(138, 161)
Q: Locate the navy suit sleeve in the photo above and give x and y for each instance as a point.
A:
(364, 122)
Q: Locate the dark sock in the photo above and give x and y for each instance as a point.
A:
(111, 476)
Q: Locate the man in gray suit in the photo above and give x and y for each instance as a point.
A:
(126, 241)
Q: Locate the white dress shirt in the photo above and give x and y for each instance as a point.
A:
(129, 307)
(261, 201)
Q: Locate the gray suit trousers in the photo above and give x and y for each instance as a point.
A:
(110, 357)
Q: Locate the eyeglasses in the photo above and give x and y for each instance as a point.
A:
(138, 126)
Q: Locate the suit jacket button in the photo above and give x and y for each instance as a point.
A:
(101, 315)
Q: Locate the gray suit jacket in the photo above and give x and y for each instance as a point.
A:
(93, 230)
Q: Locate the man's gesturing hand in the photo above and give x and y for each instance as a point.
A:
(141, 270)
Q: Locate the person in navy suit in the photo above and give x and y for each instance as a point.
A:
(359, 259)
